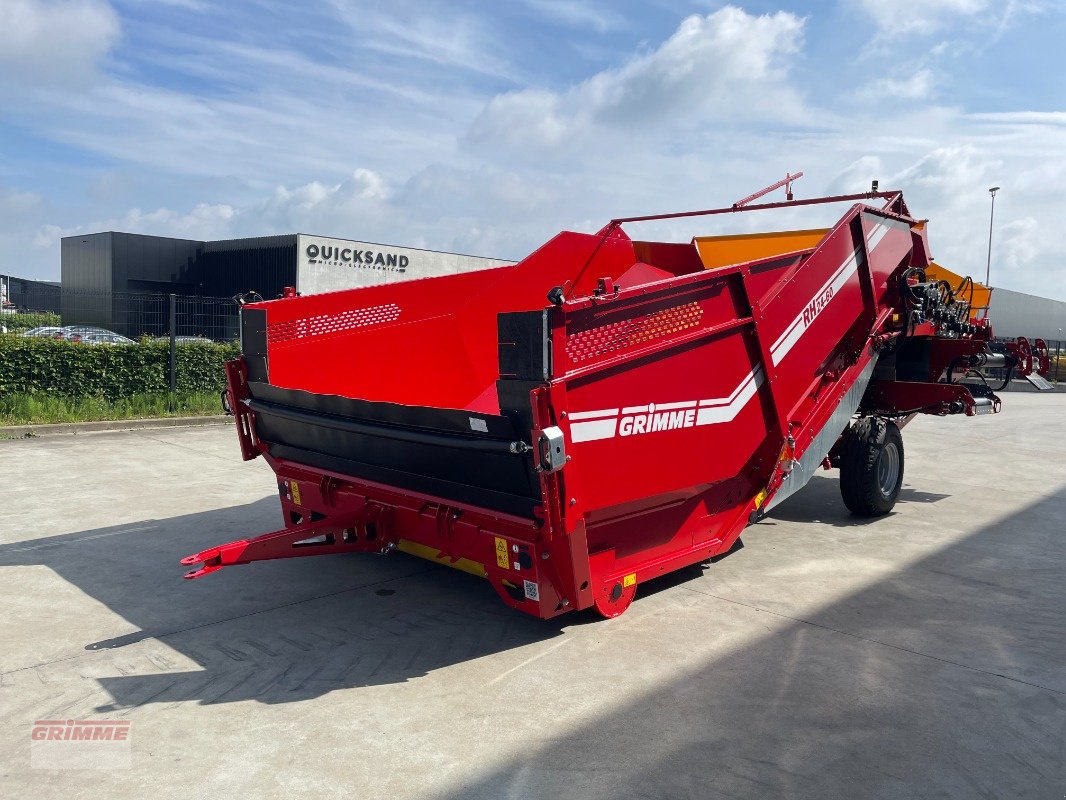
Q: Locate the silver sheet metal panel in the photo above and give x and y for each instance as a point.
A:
(1016, 314)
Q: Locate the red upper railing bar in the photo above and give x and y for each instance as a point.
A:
(840, 198)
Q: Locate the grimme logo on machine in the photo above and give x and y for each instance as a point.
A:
(607, 423)
(350, 257)
(658, 420)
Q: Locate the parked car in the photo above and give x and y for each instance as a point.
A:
(74, 333)
(185, 339)
(91, 334)
(105, 337)
(46, 331)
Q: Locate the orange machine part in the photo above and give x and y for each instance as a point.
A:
(982, 295)
(724, 251)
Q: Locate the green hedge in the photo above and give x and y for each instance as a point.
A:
(16, 323)
(71, 369)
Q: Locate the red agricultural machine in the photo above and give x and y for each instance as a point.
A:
(608, 409)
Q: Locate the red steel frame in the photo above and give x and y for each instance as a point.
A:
(778, 341)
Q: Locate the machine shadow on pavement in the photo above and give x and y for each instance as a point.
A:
(819, 501)
(945, 679)
(275, 632)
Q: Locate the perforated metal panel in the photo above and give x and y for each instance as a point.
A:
(332, 323)
(583, 345)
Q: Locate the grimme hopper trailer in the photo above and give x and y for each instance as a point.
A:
(608, 409)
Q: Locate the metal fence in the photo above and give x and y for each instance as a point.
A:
(1057, 360)
(136, 314)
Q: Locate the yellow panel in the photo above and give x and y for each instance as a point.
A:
(432, 554)
(722, 251)
(982, 295)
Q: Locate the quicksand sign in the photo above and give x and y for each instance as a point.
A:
(328, 264)
(337, 256)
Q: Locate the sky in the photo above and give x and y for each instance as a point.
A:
(487, 127)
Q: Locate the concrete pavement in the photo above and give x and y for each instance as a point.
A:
(919, 655)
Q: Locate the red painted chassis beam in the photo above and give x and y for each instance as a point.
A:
(285, 544)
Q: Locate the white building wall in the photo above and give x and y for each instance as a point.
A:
(1016, 314)
(325, 264)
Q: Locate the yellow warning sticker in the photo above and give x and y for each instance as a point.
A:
(629, 580)
(760, 498)
(294, 487)
(501, 553)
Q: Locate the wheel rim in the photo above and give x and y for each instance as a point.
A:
(888, 469)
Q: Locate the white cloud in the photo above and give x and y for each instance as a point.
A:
(372, 185)
(950, 185)
(204, 221)
(208, 103)
(1021, 242)
(436, 32)
(309, 206)
(442, 207)
(729, 64)
(578, 13)
(1022, 117)
(278, 126)
(13, 202)
(48, 236)
(857, 176)
(306, 198)
(947, 170)
(19, 212)
(314, 204)
(897, 17)
(52, 42)
(919, 86)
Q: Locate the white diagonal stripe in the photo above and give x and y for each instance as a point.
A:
(836, 283)
(792, 334)
(709, 412)
(606, 412)
(721, 401)
(675, 406)
(727, 413)
(589, 431)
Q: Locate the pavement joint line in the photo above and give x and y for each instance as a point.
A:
(878, 641)
(142, 435)
(220, 621)
(81, 539)
(531, 659)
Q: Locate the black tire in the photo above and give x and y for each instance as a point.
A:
(871, 466)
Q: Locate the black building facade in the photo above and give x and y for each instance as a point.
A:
(132, 262)
(25, 294)
(123, 281)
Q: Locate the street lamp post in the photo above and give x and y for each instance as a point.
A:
(991, 216)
